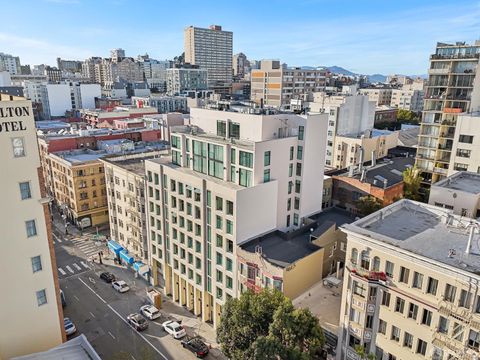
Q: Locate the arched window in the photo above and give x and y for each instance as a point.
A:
(354, 257)
(365, 260)
(376, 264)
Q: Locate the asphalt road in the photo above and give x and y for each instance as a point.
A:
(99, 312)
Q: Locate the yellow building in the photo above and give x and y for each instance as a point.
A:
(411, 285)
(79, 186)
(31, 316)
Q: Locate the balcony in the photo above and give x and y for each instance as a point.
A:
(250, 284)
(374, 276)
(454, 57)
(444, 71)
(439, 170)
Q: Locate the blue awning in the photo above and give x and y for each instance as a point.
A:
(114, 246)
(137, 265)
(125, 257)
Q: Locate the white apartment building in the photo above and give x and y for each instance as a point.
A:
(465, 154)
(186, 78)
(381, 96)
(275, 85)
(59, 98)
(407, 99)
(155, 72)
(459, 192)
(211, 49)
(10, 63)
(410, 288)
(31, 313)
(163, 104)
(347, 115)
(164, 122)
(231, 177)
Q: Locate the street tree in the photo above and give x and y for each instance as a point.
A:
(411, 183)
(267, 326)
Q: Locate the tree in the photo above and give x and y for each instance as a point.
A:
(368, 204)
(267, 326)
(411, 183)
(407, 116)
(360, 350)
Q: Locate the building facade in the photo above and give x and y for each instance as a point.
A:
(31, 312)
(452, 88)
(381, 96)
(231, 177)
(466, 144)
(163, 104)
(411, 285)
(211, 49)
(10, 63)
(407, 99)
(186, 78)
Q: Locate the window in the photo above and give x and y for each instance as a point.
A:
(382, 327)
(359, 289)
(229, 229)
(25, 190)
(245, 177)
(460, 166)
(301, 132)
(234, 130)
(299, 152)
(355, 315)
(395, 334)
(266, 158)
(449, 293)
(219, 258)
(266, 175)
(477, 306)
(467, 139)
(457, 332)
(432, 286)
(246, 159)
(221, 128)
(399, 305)
(219, 293)
(292, 150)
(229, 282)
(443, 325)
(376, 264)
(426, 317)
(421, 347)
(354, 256)
(463, 153)
(412, 311)
(389, 268)
(417, 280)
(219, 276)
(219, 222)
(233, 156)
(474, 339)
(215, 161)
(176, 142)
(290, 186)
(41, 297)
(18, 147)
(299, 169)
(464, 300)
(290, 170)
(36, 263)
(229, 207)
(229, 246)
(229, 264)
(218, 203)
(404, 274)
(407, 340)
(386, 299)
(297, 186)
(31, 228)
(219, 241)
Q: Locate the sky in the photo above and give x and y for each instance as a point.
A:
(363, 36)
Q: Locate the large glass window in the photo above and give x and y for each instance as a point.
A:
(36, 264)
(215, 161)
(245, 177)
(299, 152)
(221, 128)
(200, 156)
(176, 157)
(266, 175)
(25, 190)
(31, 228)
(246, 159)
(301, 132)
(41, 297)
(266, 158)
(176, 142)
(234, 131)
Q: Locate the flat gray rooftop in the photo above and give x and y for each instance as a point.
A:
(462, 181)
(424, 230)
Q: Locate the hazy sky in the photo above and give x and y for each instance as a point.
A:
(364, 36)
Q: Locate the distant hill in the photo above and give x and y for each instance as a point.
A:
(376, 78)
(339, 70)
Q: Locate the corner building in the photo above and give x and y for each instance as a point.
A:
(231, 177)
(411, 285)
(31, 317)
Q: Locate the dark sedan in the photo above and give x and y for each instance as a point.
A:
(196, 346)
(107, 277)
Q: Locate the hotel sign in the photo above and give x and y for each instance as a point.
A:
(8, 115)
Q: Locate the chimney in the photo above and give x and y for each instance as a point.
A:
(374, 159)
(470, 239)
(360, 165)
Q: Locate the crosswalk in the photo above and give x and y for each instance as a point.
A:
(72, 269)
(88, 247)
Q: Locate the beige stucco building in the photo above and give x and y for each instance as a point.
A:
(31, 316)
(411, 285)
(380, 96)
(466, 144)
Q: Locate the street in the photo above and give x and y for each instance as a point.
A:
(99, 312)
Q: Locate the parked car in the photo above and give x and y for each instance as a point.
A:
(107, 277)
(174, 329)
(121, 286)
(70, 327)
(150, 312)
(196, 346)
(137, 321)
(62, 297)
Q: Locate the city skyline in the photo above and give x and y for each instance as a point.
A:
(371, 38)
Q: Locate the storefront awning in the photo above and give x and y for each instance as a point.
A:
(114, 246)
(126, 257)
(137, 265)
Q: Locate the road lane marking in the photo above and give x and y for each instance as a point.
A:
(56, 237)
(92, 314)
(75, 296)
(77, 267)
(109, 333)
(123, 319)
(84, 265)
(62, 271)
(70, 269)
(133, 357)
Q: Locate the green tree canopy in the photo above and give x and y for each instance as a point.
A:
(267, 326)
(368, 204)
(411, 183)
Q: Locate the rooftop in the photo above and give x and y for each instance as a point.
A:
(196, 131)
(461, 181)
(426, 230)
(283, 249)
(408, 136)
(135, 165)
(389, 170)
